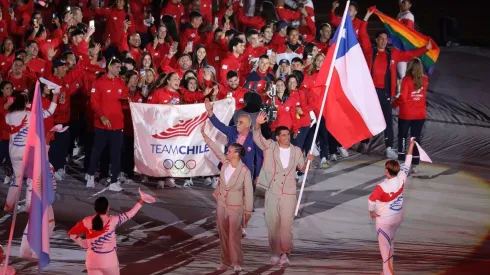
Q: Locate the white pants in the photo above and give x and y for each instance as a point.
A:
(401, 69)
(103, 271)
(386, 241)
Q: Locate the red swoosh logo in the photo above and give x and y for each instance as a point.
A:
(183, 128)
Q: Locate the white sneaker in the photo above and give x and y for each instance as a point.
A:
(343, 152)
(188, 183)
(414, 169)
(90, 181)
(86, 176)
(300, 178)
(275, 260)
(161, 184)
(244, 233)
(7, 180)
(170, 182)
(215, 182)
(208, 181)
(237, 269)
(284, 260)
(391, 154)
(58, 175)
(116, 187)
(333, 157)
(144, 179)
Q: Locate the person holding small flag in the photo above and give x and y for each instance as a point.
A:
(386, 206)
(100, 235)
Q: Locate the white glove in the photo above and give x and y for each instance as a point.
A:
(312, 118)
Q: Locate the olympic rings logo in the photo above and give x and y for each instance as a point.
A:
(184, 167)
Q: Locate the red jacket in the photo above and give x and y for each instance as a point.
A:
(286, 114)
(157, 54)
(27, 81)
(69, 86)
(277, 41)
(189, 34)
(4, 32)
(176, 11)
(206, 9)
(6, 63)
(231, 62)
(300, 98)
(238, 95)
(287, 14)
(309, 31)
(166, 96)
(106, 100)
(39, 66)
(412, 102)
(134, 96)
(255, 22)
(138, 11)
(115, 23)
(4, 127)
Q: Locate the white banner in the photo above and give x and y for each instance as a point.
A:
(168, 141)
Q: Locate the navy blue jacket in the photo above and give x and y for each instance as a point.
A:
(251, 150)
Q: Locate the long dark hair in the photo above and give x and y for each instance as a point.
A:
(2, 47)
(3, 84)
(415, 69)
(171, 25)
(195, 63)
(19, 104)
(158, 83)
(101, 204)
(269, 12)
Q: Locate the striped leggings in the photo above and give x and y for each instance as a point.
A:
(386, 241)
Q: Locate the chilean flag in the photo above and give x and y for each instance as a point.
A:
(352, 111)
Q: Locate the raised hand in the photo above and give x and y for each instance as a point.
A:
(208, 106)
(335, 4)
(261, 118)
(429, 45)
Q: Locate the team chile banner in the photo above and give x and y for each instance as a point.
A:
(168, 140)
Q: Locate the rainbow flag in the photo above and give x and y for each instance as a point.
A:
(404, 38)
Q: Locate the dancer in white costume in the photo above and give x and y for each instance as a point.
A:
(386, 206)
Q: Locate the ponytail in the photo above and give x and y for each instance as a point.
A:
(101, 205)
(97, 223)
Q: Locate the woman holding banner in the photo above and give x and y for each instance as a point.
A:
(234, 196)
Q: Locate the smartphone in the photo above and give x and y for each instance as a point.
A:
(216, 20)
(91, 24)
(269, 52)
(189, 44)
(54, 15)
(127, 17)
(68, 9)
(142, 72)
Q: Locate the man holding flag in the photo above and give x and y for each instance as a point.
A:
(36, 166)
(382, 65)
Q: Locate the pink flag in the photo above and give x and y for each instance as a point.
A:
(423, 155)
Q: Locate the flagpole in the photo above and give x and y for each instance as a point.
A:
(12, 226)
(329, 79)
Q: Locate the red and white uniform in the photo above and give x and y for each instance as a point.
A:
(238, 95)
(387, 201)
(101, 245)
(106, 100)
(407, 19)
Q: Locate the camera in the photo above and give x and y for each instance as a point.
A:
(270, 109)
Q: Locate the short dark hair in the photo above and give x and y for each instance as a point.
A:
(234, 42)
(265, 27)
(30, 42)
(193, 15)
(19, 104)
(297, 59)
(252, 32)
(290, 29)
(380, 33)
(129, 60)
(264, 56)
(278, 130)
(354, 4)
(239, 149)
(231, 74)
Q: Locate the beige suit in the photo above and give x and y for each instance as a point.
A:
(280, 198)
(233, 198)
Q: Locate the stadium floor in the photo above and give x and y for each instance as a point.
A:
(447, 217)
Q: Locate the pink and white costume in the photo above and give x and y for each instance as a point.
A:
(387, 200)
(101, 245)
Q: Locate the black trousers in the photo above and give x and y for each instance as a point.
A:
(104, 159)
(415, 127)
(322, 137)
(5, 157)
(127, 161)
(384, 97)
(58, 150)
(112, 139)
